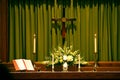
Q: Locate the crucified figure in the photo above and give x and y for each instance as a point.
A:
(63, 20)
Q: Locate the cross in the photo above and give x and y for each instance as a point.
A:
(63, 20)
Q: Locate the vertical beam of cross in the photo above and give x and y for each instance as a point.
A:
(63, 20)
(63, 31)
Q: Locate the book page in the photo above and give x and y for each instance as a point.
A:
(19, 64)
(29, 65)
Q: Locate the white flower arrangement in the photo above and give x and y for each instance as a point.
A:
(66, 54)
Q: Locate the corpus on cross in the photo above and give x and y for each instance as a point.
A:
(63, 20)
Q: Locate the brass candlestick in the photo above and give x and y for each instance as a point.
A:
(79, 63)
(95, 52)
(52, 63)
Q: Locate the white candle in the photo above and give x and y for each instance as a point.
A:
(34, 44)
(95, 43)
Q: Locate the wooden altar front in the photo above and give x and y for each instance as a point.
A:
(105, 70)
(66, 75)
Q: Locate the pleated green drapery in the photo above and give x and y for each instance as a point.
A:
(29, 17)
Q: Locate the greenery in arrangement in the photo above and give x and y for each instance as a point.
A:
(71, 56)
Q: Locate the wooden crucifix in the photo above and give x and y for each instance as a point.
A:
(63, 20)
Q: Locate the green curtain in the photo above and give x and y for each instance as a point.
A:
(29, 17)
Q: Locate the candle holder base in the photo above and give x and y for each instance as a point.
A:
(95, 67)
(52, 69)
(79, 70)
(95, 62)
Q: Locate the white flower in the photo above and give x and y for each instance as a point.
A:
(64, 57)
(70, 58)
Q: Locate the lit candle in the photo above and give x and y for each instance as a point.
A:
(95, 43)
(34, 44)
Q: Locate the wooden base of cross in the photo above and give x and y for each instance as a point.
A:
(63, 30)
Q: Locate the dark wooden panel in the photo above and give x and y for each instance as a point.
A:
(103, 66)
(0, 30)
(65, 75)
(3, 30)
(105, 70)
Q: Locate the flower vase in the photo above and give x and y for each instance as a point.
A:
(65, 67)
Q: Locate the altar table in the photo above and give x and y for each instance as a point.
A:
(66, 75)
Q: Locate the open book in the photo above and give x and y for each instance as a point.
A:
(23, 64)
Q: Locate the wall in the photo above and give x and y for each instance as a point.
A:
(3, 30)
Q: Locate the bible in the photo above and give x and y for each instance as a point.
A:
(23, 65)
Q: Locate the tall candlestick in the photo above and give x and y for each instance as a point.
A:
(34, 44)
(95, 43)
(52, 62)
(78, 62)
